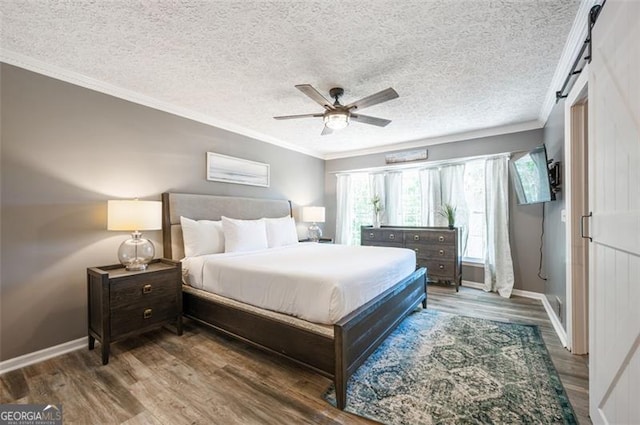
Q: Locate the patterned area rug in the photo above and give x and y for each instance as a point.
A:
(440, 368)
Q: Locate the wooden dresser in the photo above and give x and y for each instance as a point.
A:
(436, 248)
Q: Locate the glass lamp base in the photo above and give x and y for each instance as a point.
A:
(136, 253)
(315, 233)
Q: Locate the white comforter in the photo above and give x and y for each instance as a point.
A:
(320, 283)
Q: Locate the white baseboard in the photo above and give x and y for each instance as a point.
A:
(555, 321)
(42, 355)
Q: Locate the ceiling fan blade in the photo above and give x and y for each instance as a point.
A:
(374, 99)
(315, 95)
(366, 119)
(291, 117)
(326, 131)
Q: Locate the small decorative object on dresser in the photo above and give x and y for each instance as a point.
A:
(436, 248)
(449, 212)
(377, 210)
(124, 303)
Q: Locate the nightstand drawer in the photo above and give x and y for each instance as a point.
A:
(139, 316)
(143, 289)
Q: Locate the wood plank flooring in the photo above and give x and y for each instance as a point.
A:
(205, 378)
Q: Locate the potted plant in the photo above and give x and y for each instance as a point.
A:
(449, 212)
(377, 209)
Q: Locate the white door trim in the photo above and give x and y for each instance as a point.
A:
(576, 291)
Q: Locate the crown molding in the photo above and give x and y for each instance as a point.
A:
(35, 65)
(458, 137)
(575, 40)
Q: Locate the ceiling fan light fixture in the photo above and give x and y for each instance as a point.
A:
(336, 120)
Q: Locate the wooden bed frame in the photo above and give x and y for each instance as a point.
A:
(356, 336)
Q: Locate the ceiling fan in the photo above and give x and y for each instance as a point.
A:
(337, 116)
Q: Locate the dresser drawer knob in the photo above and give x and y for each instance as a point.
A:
(148, 313)
(441, 252)
(417, 250)
(371, 235)
(416, 237)
(392, 236)
(441, 266)
(146, 289)
(441, 238)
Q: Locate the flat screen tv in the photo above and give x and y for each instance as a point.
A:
(530, 176)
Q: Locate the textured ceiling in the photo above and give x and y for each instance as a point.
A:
(458, 66)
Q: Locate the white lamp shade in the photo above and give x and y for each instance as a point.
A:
(134, 215)
(313, 214)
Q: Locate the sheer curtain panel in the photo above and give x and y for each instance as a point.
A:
(452, 188)
(344, 209)
(393, 192)
(498, 266)
(431, 197)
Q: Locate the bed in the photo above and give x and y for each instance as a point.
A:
(336, 350)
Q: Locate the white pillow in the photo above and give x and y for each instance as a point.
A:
(244, 235)
(201, 237)
(281, 231)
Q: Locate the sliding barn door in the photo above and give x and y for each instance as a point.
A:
(614, 180)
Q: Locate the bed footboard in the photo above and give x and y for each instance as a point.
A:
(357, 335)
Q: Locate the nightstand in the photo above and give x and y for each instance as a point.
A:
(125, 303)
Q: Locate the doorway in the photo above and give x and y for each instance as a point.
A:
(577, 204)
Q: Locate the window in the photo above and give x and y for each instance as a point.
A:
(412, 205)
(474, 194)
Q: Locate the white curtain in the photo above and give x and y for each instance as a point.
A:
(376, 188)
(498, 266)
(452, 189)
(431, 201)
(393, 195)
(344, 209)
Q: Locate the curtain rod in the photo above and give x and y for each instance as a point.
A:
(591, 21)
(421, 165)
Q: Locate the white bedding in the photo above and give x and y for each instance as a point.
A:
(320, 283)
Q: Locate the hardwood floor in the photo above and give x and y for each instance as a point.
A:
(206, 378)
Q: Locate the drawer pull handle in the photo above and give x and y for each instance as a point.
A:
(441, 252)
(417, 250)
(148, 313)
(371, 235)
(146, 289)
(441, 238)
(441, 266)
(416, 237)
(392, 236)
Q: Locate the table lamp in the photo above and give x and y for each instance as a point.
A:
(313, 215)
(133, 216)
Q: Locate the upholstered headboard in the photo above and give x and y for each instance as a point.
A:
(210, 207)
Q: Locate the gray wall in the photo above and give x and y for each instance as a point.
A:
(555, 253)
(524, 221)
(64, 151)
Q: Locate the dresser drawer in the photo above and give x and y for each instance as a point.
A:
(385, 237)
(430, 252)
(443, 270)
(139, 316)
(431, 237)
(374, 235)
(136, 290)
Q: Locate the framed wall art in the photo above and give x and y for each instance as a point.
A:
(228, 169)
